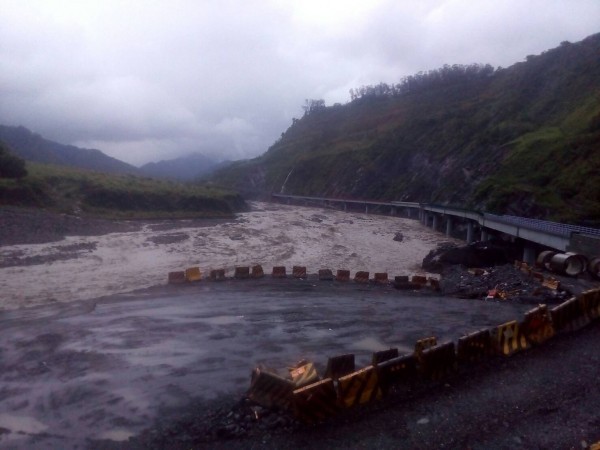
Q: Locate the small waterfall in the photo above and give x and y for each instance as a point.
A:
(282, 191)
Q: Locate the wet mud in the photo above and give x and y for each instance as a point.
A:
(104, 370)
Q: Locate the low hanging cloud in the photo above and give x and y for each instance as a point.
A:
(144, 81)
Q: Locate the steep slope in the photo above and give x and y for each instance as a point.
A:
(522, 140)
(33, 147)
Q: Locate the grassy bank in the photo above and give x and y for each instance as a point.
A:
(75, 191)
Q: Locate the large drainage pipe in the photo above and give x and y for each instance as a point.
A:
(543, 259)
(594, 267)
(568, 263)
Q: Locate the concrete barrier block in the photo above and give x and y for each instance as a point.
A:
(279, 272)
(299, 272)
(475, 347)
(242, 273)
(270, 390)
(217, 275)
(325, 275)
(361, 277)
(304, 375)
(434, 283)
(423, 344)
(419, 279)
(396, 370)
(343, 275)
(508, 338)
(193, 274)
(257, 271)
(537, 326)
(381, 278)
(315, 402)
(384, 355)
(569, 316)
(438, 362)
(339, 366)
(176, 277)
(359, 388)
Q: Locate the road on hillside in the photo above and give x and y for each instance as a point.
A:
(106, 369)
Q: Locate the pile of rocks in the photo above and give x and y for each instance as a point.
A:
(510, 283)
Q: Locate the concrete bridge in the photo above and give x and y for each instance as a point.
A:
(534, 234)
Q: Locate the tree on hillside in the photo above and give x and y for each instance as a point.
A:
(10, 165)
(312, 106)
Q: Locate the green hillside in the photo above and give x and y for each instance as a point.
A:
(77, 191)
(520, 140)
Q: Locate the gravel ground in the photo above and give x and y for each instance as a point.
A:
(29, 226)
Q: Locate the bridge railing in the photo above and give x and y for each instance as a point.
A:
(545, 226)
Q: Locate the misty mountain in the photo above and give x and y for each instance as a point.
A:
(185, 168)
(33, 147)
(519, 140)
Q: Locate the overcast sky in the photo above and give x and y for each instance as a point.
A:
(148, 80)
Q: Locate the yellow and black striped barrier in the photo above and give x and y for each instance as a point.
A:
(438, 362)
(270, 390)
(423, 344)
(359, 387)
(590, 302)
(474, 347)
(569, 316)
(507, 338)
(193, 274)
(315, 402)
(304, 374)
(339, 366)
(537, 325)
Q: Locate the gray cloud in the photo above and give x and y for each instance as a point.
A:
(144, 81)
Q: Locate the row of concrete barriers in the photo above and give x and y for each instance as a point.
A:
(312, 398)
(193, 274)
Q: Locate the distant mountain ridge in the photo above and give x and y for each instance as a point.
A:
(33, 147)
(185, 168)
(522, 140)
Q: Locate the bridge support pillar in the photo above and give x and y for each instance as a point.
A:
(484, 235)
(345, 206)
(435, 223)
(448, 226)
(409, 212)
(393, 211)
(366, 209)
(529, 254)
(470, 232)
